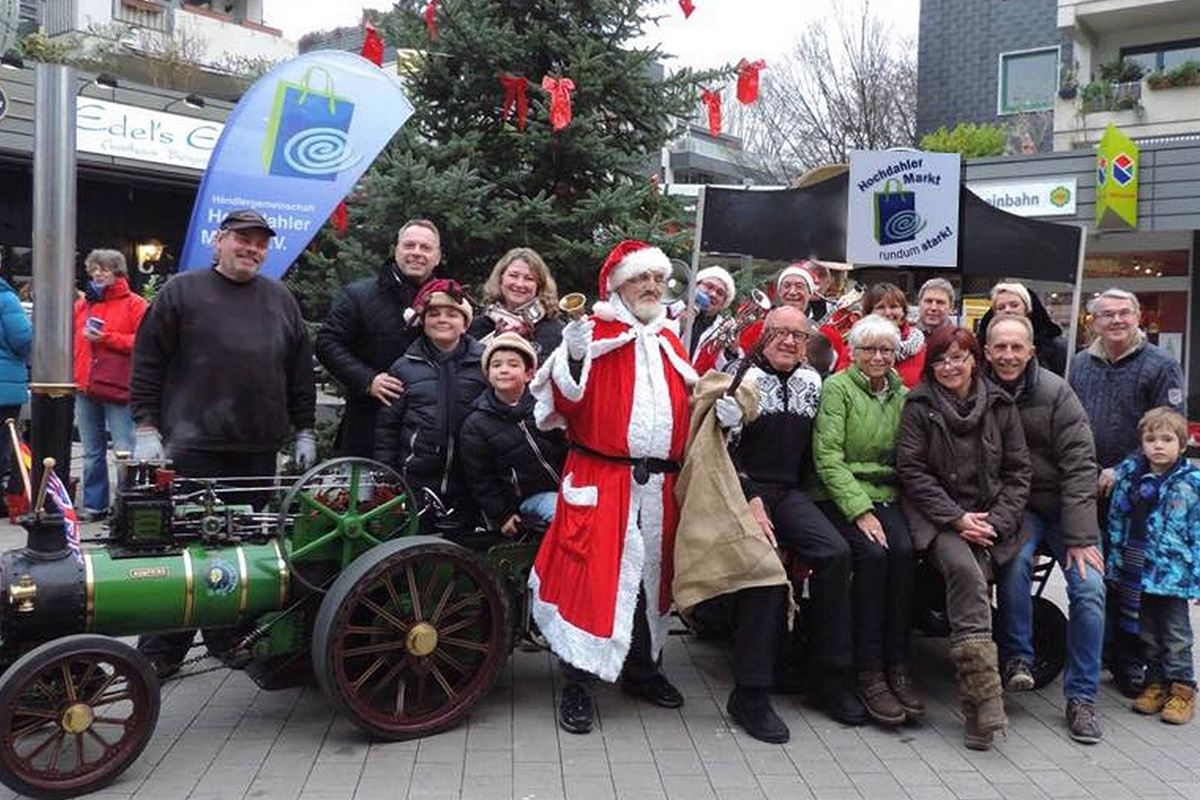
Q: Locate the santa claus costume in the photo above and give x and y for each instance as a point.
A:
(623, 400)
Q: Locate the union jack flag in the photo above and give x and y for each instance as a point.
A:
(62, 499)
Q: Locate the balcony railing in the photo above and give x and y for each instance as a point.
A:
(148, 14)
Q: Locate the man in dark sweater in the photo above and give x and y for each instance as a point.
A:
(221, 364)
(367, 330)
(1119, 378)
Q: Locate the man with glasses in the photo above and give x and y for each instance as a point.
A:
(1119, 378)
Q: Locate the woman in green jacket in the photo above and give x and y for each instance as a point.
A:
(854, 451)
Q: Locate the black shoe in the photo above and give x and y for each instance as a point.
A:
(657, 690)
(840, 702)
(1017, 676)
(575, 710)
(1081, 721)
(751, 708)
(1130, 679)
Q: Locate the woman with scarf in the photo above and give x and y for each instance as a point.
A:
(888, 301)
(521, 296)
(964, 474)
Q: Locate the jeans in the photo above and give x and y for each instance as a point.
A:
(92, 418)
(1085, 618)
(1165, 632)
(540, 505)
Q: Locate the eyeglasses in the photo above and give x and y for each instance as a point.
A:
(1120, 313)
(871, 352)
(649, 277)
(952, 362)
(783, 334)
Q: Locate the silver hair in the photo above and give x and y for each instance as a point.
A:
(1021, 320)
(107, 258)
(872, 328)
(1113, 293)
(939, 284)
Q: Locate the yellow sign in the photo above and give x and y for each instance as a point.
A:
(1116, 181)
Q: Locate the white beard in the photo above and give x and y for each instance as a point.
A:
(648, 310)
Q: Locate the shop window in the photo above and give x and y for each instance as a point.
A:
(1028, 80)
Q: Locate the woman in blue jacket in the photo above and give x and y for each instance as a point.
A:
(16, 342)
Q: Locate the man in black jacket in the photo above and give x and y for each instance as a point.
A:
(1061, 517)
(367, 330)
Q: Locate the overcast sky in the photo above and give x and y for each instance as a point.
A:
(718, 32)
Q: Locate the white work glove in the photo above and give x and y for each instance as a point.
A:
(148, 445)
(577, 334)
(306, 450)
(729, 413)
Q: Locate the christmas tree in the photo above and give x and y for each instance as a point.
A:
(489, 184)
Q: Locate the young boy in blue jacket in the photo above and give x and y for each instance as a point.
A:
(1154, 560)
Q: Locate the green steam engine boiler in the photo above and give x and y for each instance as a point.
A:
(403, 633)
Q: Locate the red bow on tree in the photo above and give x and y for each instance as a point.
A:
(338, 218)
(712, 99)
(431, 19)
(559, 90)
(688, 7)
(372, 46)
(747, 83)
(514, 94)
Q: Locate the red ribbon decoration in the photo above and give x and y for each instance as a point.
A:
(431, 19)
(338, 218)
(747, 82)
(372, 46)
(559, 90)
(514, 94)
(712, 99)
(688, 7)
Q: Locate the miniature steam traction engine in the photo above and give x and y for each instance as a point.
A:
(403, 633)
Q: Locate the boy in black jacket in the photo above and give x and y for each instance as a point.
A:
(512, 466)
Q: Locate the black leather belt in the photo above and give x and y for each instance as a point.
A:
(643, 468)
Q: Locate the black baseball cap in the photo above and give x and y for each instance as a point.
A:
(244, 219)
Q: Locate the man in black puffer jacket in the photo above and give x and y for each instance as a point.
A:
(366, 331)
(512, 467)
(417, 433)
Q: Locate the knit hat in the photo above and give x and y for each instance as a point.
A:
(439, 292)
(726, 280)
(510, 340)
(799, 268)
(1015, 288)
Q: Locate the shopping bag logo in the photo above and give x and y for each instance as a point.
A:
(308, 131)
(896, 217)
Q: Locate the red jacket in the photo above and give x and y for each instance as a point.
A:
(121, 311)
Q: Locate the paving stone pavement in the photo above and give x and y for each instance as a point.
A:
(220, 738)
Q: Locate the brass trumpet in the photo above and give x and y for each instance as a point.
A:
(751, 310)
(574, 305)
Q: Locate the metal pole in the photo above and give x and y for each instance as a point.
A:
(690, 315)
(1076, 297)
(53, 266)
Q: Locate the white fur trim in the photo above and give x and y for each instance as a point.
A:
(604, 310)
(556, 372)
(578, 495)
(650, 512)
(645, 260)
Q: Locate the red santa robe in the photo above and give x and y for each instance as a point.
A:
(611, 535)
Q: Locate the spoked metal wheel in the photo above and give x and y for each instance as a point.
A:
(411, 636)
(338, 510)
(74, 714)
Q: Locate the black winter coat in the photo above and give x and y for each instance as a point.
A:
(506, 458)
(418, 433)
(363, 335)
(547, 333)
(1048, 338)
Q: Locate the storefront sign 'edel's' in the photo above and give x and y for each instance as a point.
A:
(902, 208)
(1116, 181)
(144, 134)
(292, 148)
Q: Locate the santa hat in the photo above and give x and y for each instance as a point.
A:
(800, 268)
(510, 340)
(438, 292)
(628, 259)
(726, 280)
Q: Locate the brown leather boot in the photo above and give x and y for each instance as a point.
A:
(905, 689)
(876, 696)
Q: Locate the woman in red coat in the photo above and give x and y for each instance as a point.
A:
(106, 319)
(888, 301)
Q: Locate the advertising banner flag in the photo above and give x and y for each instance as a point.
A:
(1116, 181)
(292, 148)
(902, 208)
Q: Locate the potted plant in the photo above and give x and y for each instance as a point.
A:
(1122, 71)
(1068, 81)
(1096, 96)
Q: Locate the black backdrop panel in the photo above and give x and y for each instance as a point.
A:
(995, 242)
(782, 224)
